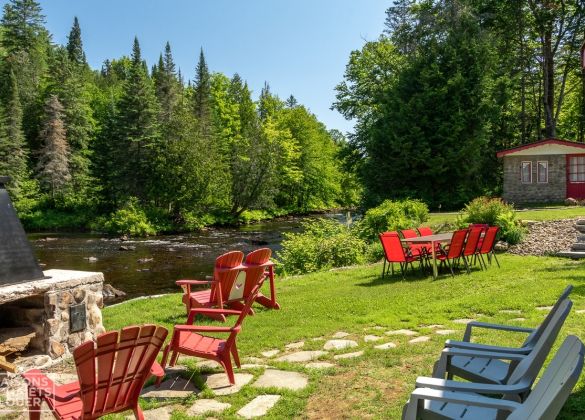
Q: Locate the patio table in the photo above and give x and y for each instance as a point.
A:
(433, 240)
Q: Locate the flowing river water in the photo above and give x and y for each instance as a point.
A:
(151, 266)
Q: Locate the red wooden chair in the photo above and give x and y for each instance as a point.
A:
(487, 246)
(223, 280)
(470, 249)
(189, 340)
(111, 374)
(454, 250)
(395, 253)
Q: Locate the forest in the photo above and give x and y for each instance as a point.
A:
(145, 149)
(451, 82)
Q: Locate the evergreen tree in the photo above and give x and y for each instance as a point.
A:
(53, 165)
(75, 45)
(202, 91)
(23, 24)
(291, 102)
(167, 84)
(268, 104)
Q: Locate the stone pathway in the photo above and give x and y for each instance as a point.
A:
(171, 388)
(259, 406)
(401, 332)
(510, 311)
(463, 320)
(160, 413)
(580, 311)
(207, 406)
(294, 346)
(282, 379)
(348, 355)
(319, 365)
(518, 319)
(544, 308)
(220, 385)
(340, 334)
(339, 344)
(302, 356)
(445, 332)
(370, 338)
(270, 353)
(385, 346)
(421, 339)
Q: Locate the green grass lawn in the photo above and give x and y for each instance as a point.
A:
(358, 301)
(539, 214)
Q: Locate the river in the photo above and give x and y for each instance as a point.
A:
(151, 266)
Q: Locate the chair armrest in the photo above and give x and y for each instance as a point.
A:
(442, 365)
(420, 394)
(467, 335)
(486, 347)
(46, 387)
(157, 370)
(186, 282)
(205, 328)
(210, 311)
(449, 385)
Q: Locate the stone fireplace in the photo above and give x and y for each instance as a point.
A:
(56, 313)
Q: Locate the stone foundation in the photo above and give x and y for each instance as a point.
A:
(45, 306)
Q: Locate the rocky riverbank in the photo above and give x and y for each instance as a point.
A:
(547, 238)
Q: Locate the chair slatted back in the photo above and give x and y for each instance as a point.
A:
(472, 240)
(489, 240)
(255, 267)
(553, 389)
(425, 231)
(527, 369)
(113, 370)
(392, 247)
(225, 277)
(408, 233)
(457, 243)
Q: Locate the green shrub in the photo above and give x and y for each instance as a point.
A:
(323, 244)
(129, 220)
(495, 212)
(392, 215)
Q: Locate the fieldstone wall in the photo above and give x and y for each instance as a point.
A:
(45, 305)
(553, 191)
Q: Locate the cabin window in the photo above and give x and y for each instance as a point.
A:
(542, 171)
(526, 172)
(577, 169)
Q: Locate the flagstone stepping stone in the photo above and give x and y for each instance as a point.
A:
(302, 356)
(294, 346)
(208, 364)
(339, 344)
(385, 346)
(270, 353)
(421, 339)
(445, 332)
(370, 338)
(401, 332)
(220, 385)
(580, 311)
(348, 355)
(340, 334)
(433, 326)
(206, 406)
(282, 379)
(160, 413)
(259, 406)
(253, 366)
(463, 320)
(378, 327)
(518, 319)
(318, 339)
(319, 365)
(544, 308)
(510, 311)
(171, 388)
(253, 360)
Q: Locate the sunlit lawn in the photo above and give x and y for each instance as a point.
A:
(356, 300)
(539, 214)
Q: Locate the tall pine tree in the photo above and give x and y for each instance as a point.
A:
(75, 45)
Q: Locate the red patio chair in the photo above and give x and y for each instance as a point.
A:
(488, 244)
(395, 253)
(222, 281)
(189, 340)
(417, 250)
(453, 250)
(470, 249)
(425, 231)
(484, 227)
(111, 374)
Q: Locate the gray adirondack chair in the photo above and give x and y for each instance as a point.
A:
(530, 341)
(544, 403)
(516, 370)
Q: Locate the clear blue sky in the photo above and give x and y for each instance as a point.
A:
(298, 46)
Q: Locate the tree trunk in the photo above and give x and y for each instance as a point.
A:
(549, 85)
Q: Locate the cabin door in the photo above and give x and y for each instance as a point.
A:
(576, 176)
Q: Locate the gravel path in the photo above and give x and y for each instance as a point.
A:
(547, 238)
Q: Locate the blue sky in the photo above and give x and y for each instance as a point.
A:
(298, 46)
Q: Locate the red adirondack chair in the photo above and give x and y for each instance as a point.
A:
(189, 340)
(223, 280)
(395, 253)
(454, 250)
(256, 264)
(111, 374)
(470, 249)
(487, 246)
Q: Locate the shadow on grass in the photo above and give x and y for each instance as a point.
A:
(409, 276)
(575, 406)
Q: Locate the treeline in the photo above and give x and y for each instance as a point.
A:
(133, 141)
(450, 83)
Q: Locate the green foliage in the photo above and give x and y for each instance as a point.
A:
(322, 245)
(495, 212)
(48, 219)
(131, 219)
(392, 215)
